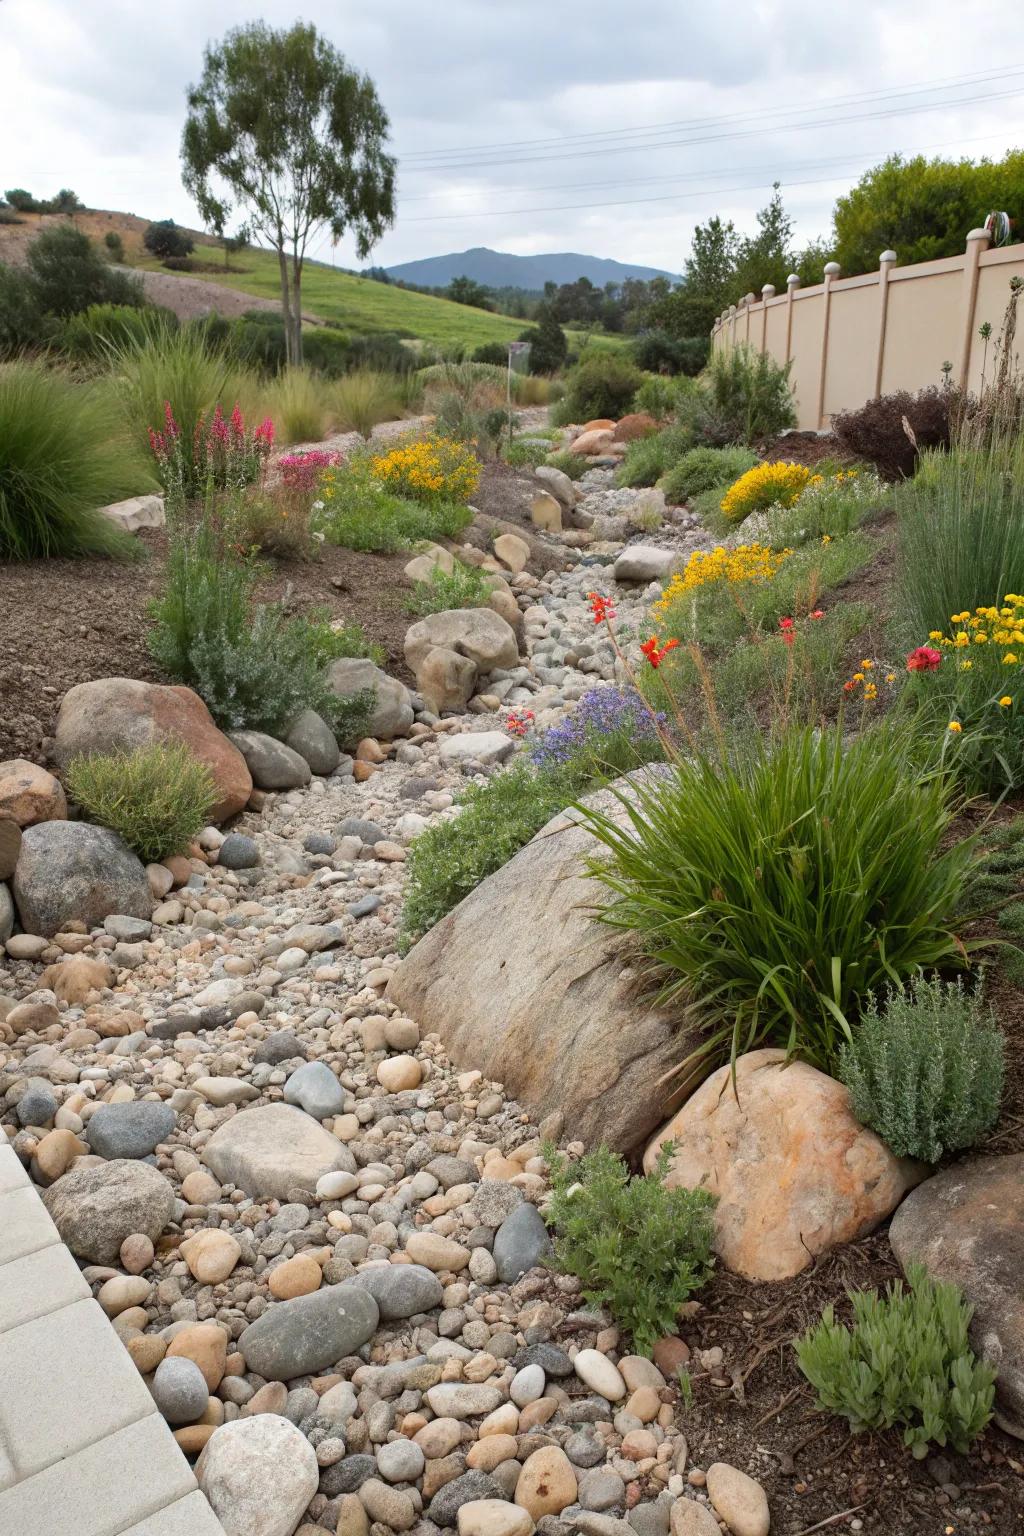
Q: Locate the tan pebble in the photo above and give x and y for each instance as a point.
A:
(268, 1399)
(346, 1127)
(361, 771)
(213, 1413)
(537, 1413)
(738, 1500)
(503, 1421)
(437, 1253)
(137, 1253)
(352, 1517)
(55, 1152)
(369, 750)
(547, 1483)
(644, 1403)
(123, 1291)
(295, 1277)
(493, 1517)
(490, 1452)
(397, 1074)
(688, 1518)
(234, 1365)
(211, 1255)
(193, 1437)
(503, 1168)
(438, 1438)
(206, 1344)
(147, 1350)
(200, 1188)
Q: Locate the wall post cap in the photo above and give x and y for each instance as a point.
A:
(832, 269)
(768, 291)
(793, 280)
(887, 256)
(751, 298)
(979, 234)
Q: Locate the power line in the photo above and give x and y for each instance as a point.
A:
(482, 156)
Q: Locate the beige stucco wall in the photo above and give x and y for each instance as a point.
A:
(848, 339)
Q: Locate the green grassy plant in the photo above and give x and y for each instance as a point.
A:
(776, 889)
(648, 458)
(466, 586)
(182, 367)
(640, 1248)
(706, 469)
(571, 464)
(906, 1361)
(158, 797)
(64, 453)
(297, 403)
(926, 1070)
(358, 513)
(362, 399)
(748, 397)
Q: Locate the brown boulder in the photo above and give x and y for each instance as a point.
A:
(794, 1172)
(10, 846)
(522, 983)
(120, 712)
(77, 979)
(29, 794)
(590, 443)
(966, 1225)
(599, 424)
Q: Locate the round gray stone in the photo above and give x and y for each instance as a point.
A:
(520, 1242)
(314, 1088)
(179, 1390)
(282, 1045)
(129, 1130)
(312, 738)
(71, 871)
(400, 1461)
(494, 1200)
(238, 852)
(447, 1501)
(38, 1104)
(271, 763)
(400, 1290)
(96, 1208)
(6, 913)
(310, 1333)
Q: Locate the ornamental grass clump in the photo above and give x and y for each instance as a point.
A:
(773, 889)
(640, 1248)
(926, 1070)
(766, 485)
(906, 1361)
(158, 797)
(464, 586)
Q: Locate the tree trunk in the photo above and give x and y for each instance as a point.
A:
(296, 314)
(286, 309)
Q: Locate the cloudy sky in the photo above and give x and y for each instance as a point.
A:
(545, 125)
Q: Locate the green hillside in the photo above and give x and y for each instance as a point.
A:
(364, 307)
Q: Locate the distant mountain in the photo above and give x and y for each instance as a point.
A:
(500, 269)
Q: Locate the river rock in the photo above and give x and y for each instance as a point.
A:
(485, 747)
(6, 913)
(391, 712)
(179, 1390)
(793, 1171)
(558, 483)
(271, 764)
(446, 680)
(493, 1517)
(312, 738)
(966, 1225)
(400, 1290)
(551, 1015)
(520, 1243)
(211, 1254)
(259, 1475)
(547, 1483)
(70, 871)
(96, 1208)
(477, 633)
(310, 1333)
(739, 1500)
(129, 1130)
(123, 713)
(272, 1149)
(643, 563)
(314, 1088)
(29, 794)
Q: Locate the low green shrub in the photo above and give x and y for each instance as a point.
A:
(528, 455)
(660, 353)
(64, 453)
(657, 396)
(23, 325)
(647, 459)
(157, 797)
(255, 666)
(905, 1361)
(114, 245)
(640, 1248)
(383, 353)
(356, 512)
(926, 1071)
(466, 586)
(327, 351)
(493, 352)
(67, 273)
(571, 464)
(705, 469)
(748, 397)
(93, 332)
(449, 859)
(838, 879)
(830, 508)
(601, 386)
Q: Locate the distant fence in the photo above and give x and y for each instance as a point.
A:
(853, 338)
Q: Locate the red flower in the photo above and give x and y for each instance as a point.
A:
(924, 659)
(656, 654)
(601, 607)
(819, 613)
(786, 626)
(517, 721)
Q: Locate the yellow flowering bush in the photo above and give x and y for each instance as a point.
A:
(746, 563)
(766, 485)
(966, 683)
(430, 469)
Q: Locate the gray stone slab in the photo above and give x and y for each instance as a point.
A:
(100, 1393)
(39, 1283)
(104, 1490)
(12, 1174)
(7, 1473)
(25, 1224)
(190, 1516)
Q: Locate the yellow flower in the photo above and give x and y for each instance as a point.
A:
(955, 727)
(981, 638)
(858, 677)
(890, 677)
(1009, 660)
(766, 485)
(1005, 701)
(867, 664)
(871, 691)
(935, 634)
(826, 538)
(965, 666)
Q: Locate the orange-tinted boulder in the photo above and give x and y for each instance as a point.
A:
(632, 427)
(592, 442)
(122, 713)
(599, 424)
(29, 794)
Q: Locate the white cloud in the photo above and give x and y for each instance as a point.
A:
(93, 98)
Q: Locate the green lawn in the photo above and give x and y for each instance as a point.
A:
(363, 307)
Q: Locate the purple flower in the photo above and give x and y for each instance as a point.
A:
(601, 713)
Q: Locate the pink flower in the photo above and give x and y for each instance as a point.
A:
(924, 659)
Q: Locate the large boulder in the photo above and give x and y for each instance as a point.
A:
(312, 738)
(259, 1475)
(309, 1333)
(29, 794)
(392, 712)
(521, 983)
(558, 484)
(644, 562)
(477, 633)
(273, 1149)
(96, 1208)
(592, 442)
(121, 712)
(272, 764)
(70, 871)
(794, 1172)
(966, 1225)
(446, 680)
